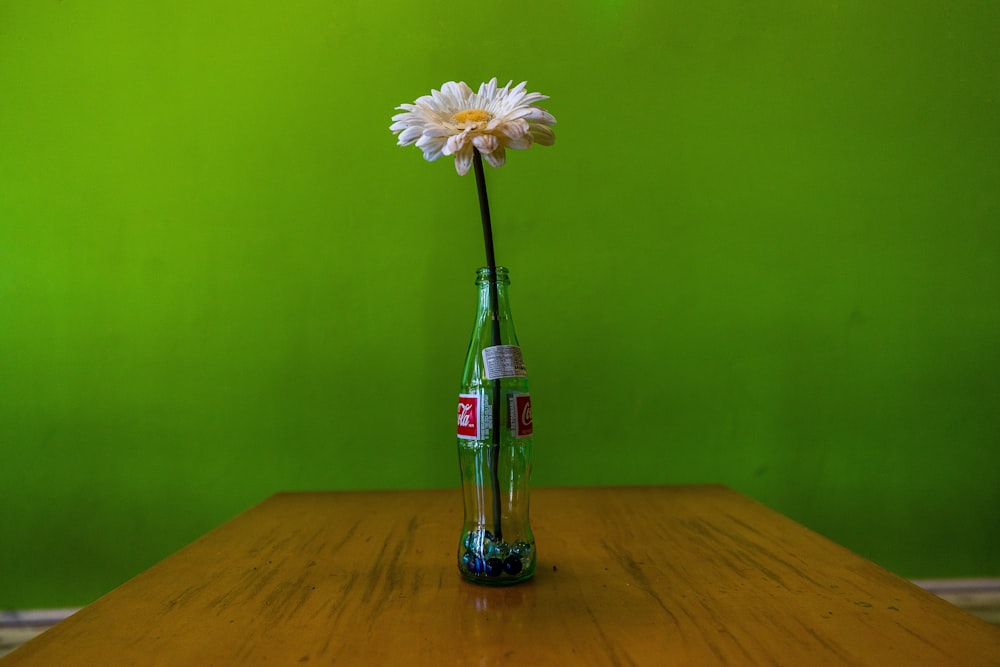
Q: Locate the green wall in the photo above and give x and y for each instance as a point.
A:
(763, 252)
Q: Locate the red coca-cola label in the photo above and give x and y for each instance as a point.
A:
(520, 415)
(468, 416)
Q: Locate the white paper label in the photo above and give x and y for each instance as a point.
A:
(504, 361)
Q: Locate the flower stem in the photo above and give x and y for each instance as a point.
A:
(491, 264)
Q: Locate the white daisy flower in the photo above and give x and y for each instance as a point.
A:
(456, 121)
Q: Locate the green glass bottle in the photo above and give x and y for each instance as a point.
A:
(496, 545)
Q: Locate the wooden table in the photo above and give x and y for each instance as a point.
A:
(696, 575)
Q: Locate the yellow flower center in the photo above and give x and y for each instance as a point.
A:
(474, 115)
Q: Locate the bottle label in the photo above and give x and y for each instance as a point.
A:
(504, 361)
(519, 408)
(468, 416)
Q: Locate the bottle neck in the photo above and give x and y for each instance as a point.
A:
(483, 277)
(494, 327)
(494, 308)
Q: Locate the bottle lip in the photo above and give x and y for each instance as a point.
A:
(483, 275)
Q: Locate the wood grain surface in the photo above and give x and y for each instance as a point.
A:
(696, 575)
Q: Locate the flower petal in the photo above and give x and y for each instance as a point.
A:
(520, 143)
(495, 158)
(432, 149)
(543, 135)
(432, 154)
(515, 129)
(455, 144)
(463, 160)
(533, 114)
(409, 135)
(486, 143)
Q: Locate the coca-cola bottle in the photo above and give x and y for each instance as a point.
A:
(494, 445)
